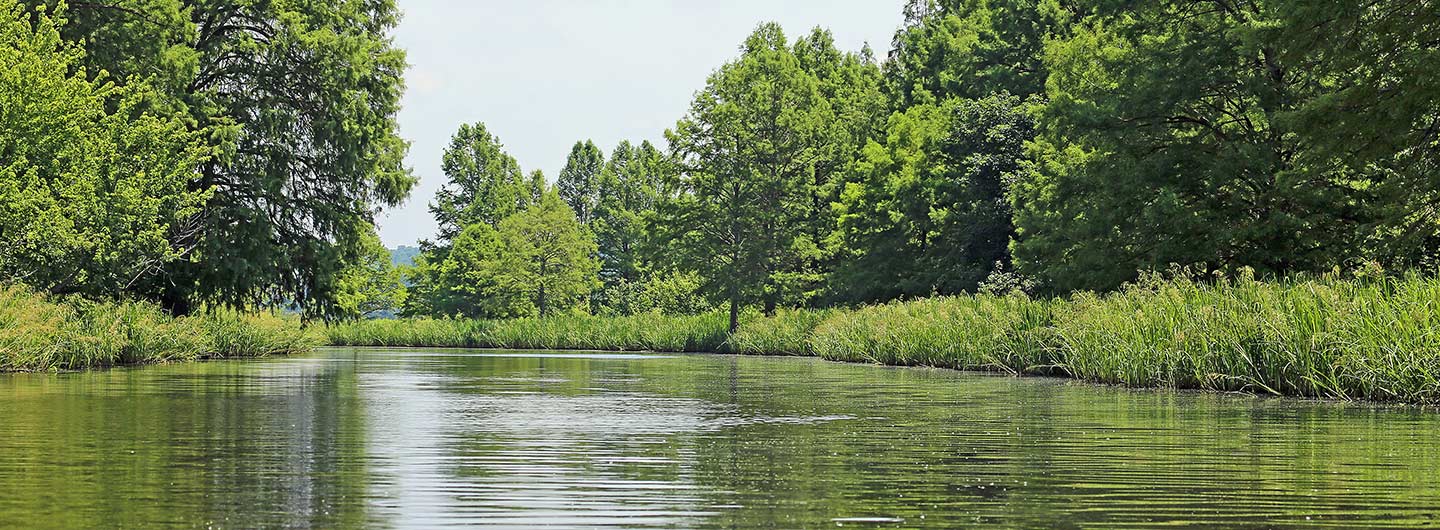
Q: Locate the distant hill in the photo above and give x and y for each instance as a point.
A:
(404, 255)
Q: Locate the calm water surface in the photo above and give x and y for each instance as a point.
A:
(422, 439)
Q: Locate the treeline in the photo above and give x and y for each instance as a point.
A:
(1044, 146)
(198, 155)
(204, 155)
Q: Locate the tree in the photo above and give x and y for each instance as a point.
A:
(372, 285)
(94, 187)
(628, 189)
(928, 212)
(548, 255)
(1378, 118)
(484, 183)
(746, 151)
(850, 83)
(468, 280)
(298, 99)
(459, 274)
(1168, 140)
(971, 49)
(579, 181)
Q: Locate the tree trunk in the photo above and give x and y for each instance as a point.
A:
(734, 313)
(175, 303)
(541, 301)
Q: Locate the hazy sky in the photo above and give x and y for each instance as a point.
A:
(542, 74)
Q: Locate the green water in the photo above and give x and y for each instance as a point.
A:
(421, 439)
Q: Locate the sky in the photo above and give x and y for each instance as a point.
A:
(542, 74)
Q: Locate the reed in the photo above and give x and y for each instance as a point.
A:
(651, 332)
(1326, 337)
(1347, 339)
(984, 332)
(788, 332)
(40, 334)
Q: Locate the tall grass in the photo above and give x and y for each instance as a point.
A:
(984, 332)
(1321, 337)
(39, 334)
(788, 332)
(650, 332)
(1371, 339)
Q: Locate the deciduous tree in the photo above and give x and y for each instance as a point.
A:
(747, 150)
(548, 256)
(96, 189)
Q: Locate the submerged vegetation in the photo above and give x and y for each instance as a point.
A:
(40, 334)
(1327, 337)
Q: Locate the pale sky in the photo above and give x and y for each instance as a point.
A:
(542, 74)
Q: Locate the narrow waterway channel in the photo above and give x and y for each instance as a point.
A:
(430, 438)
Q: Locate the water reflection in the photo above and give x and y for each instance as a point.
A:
(374, 438)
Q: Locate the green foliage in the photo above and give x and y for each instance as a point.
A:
(295, 101)
(465, 273)
(971, 49)
(642, 332)
(629, 187)
(1377, 117)
(38, 333)
(1181, 133)
(850, 83)
(484, 186)
(787, 332)
(1349, 339)
(94, 188)
(579, 181)
(372, 284)
(746, 151)
(417, 332)
(982, 332)
(298, 99)
(927, 211)
(548, 256)
(673, 293)
(466, 279)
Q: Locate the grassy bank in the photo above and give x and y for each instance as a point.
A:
(1331, 338)
(701, 333)
(39, 334)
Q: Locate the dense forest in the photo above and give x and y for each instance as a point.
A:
(209, 154)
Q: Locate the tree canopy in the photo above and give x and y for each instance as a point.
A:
(297, 103)
(95, 186)
(236, 153)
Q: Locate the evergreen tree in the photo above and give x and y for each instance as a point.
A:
(459, 273)
(547, 257)
(298, 101)
(628, 190)
(95, 193)
(927, 212)
(484, 183)
(1170, 139)
(579, 181)
(747, 150)
(971, 49)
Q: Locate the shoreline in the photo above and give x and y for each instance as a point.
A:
(1345, 340)
(1053, 379)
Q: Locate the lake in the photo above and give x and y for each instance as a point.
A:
(432, 438)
